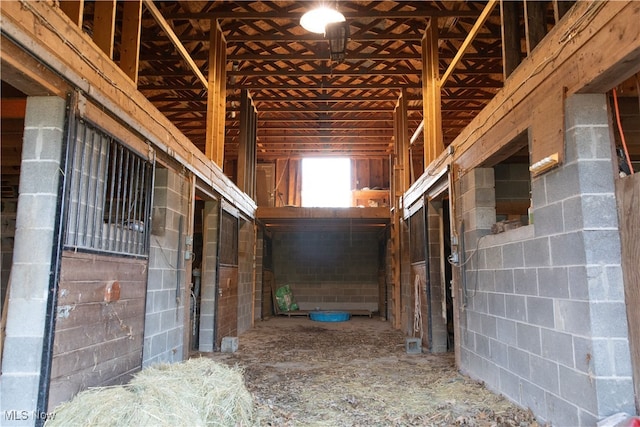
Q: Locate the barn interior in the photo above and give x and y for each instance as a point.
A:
(226, 99)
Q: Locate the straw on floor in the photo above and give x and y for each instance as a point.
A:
(198, 392)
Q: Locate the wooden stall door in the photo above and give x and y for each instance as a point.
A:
(227, 299)
(628, 196)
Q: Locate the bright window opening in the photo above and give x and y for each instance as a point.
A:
(326, 182)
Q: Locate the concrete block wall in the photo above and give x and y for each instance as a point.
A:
(328, 270)
(164, 318)
(208, 295)
(544, 321)
(246, 238)
(33, 250)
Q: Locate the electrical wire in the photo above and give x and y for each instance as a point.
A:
(622, 138)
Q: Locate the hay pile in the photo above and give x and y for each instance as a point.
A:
(198, 392)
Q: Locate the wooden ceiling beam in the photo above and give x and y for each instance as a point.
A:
(247, 15)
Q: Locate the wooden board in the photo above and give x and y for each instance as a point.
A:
(227, 304)
(628, 197)
(97, 343)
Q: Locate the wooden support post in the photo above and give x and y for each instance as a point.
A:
(535, 23)
(247, 145)
(130, 44)
(560, 8)
(73, 9)
(104, 25)
(511, 36)
(433, 143)
(216, 97)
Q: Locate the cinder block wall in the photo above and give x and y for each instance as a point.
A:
(328, 270)
(164, 319)
(543, 318)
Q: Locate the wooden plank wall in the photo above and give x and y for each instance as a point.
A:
(369, 173)
(227, 315)
(97, 343)
(628, 197)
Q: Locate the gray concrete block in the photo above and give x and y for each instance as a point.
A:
(587, 419)
(540, 311)
(489, 326)
(615, 283)
(548, 219)
(563, 184)
(557, 346)
(519, 362)
(609, 319)
(596, 176)
(26, 317)
(504, 281)
(492, 258)
(152, 323)
(45, 111)
(578, 388)
(158, 344)
(526, 281)
(615, 395)
(568, 249)
(19, 392)
(510, 385)
(37, 255)
(572, 317)
(571, 218)
(578, 283)
(588, 142)
(39, 177)
(544, 373)
(480, 303)
(538, 192)
(513, 255)
(602, 246)
(561, 412)
(621, 358)
(599, 211)
(529, 338)
(486, 280)
(499, 353)
(38, 210)
(42, 144)
(586, 110)
(533, 397)
(536, 252)
(496, 304)
(506, 331)
(553, 282)
(229, 345)
(22, 354)
(33, 280)
(516, 307)
(482, 346)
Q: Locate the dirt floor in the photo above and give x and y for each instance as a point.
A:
(358, 373)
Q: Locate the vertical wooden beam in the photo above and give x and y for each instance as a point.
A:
(511, 36)
(247, 145)
(432, 107)
(216, 96)
(74, 10)
(535, 23)
(560, 8)
(104, 25)
(130, 44)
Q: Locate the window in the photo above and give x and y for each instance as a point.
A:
(108, 194)
(326, 182)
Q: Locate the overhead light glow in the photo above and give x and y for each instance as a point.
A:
(316, 20)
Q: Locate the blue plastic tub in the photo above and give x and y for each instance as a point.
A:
(329, 316)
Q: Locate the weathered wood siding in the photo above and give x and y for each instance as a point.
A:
(97, 343)
(227, 325)
(628, 195)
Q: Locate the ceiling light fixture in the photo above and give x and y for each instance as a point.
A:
(338, 35)
(316, 20)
